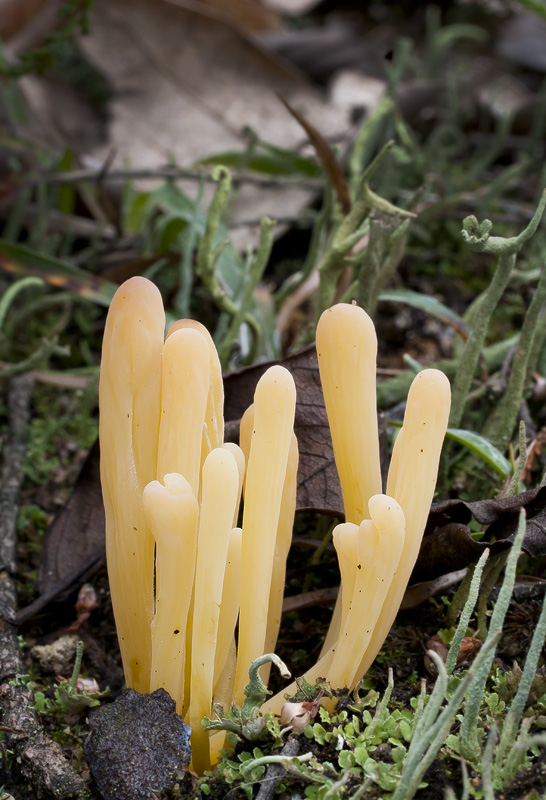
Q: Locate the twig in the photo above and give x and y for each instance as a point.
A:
(39, 760)
(276, 772)
(12, 468)
(68, 583)
(174, 173)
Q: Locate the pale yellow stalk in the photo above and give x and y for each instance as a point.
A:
(345, 539)
(239, 457)
(274, 409)
(379, 544)
(223, 695)
(224, 688)
(171, 512)
(185, 377)
(229, 608)
(368, 556)
(347, 353)
(411, 481)
(231, 591)
(220, 487)
(282, 546)
(128, 431)
(213, 433)
(246, 426)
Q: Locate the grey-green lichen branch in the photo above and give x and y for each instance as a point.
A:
(477, 237)
(351, 230)
(247, 721)
(209, 251)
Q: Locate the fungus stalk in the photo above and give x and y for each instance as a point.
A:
(171, 512)
(128, 429)
(220, 499)
(273, 426)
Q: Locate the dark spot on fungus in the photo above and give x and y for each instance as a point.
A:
(359, 566)
(176, 631)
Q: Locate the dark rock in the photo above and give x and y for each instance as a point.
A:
(138, 747)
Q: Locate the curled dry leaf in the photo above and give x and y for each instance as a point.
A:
(448, 543)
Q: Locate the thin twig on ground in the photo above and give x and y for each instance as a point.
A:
(276, 772)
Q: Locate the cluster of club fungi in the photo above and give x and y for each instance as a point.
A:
(196, 598)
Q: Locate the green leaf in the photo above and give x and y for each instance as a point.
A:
(361, 755)
(170, 235)
(137, 212)
(346, 759)
(20, 260)
(40, 701)
(272, 162)
(405, 730)
(481, 447)
(67, 194)
(429, 305)
(175, 202)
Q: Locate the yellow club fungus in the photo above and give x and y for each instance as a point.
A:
(169, 479)
(128, 428)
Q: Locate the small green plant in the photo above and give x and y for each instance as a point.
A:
(65, 702)
(461, 714)
(246, 722)
(74, 17)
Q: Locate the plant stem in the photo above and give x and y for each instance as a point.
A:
(473, 591)
(468, 737)
(392, 391)
(502, 420)
(478, 239)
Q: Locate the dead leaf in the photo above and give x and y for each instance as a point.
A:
(15, 14)
(294, 8)
(318, 482)
(356, 91)
(521, 40)
(186, 86)
(448, 545)
(75, 539)
(248, 15)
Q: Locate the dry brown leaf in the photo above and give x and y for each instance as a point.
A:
(292, 8)
(75, 538)
(185, 86)
(248, 15)
(318, 482)
(521, 40)
(15, 14)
